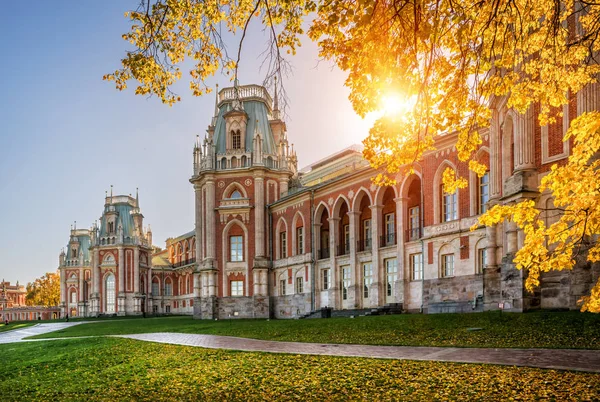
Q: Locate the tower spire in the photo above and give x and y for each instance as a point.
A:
(217, 99)
(137, 197)
(111, 197)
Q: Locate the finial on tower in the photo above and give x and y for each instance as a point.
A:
(137, 197)
(276, 102)
(111, 197)
(75, 226)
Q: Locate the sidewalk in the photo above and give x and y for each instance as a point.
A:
(562, 359)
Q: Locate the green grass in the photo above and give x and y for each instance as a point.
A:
(121, 369)
(15, 325)
(530, 330)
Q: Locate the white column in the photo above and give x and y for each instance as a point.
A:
(335, 294)
(490, 234)
(80, 285)
(199, 222)
(355, 267)
(121, 290)
(259, 215)
(63, 298)
(525, 152)
(378, 296)
(495, 160)
(403, 273)
(210, 219)
(588, 98)
(136, 270)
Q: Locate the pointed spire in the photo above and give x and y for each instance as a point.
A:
(276, 102)
(137, 197)
(111, 194)
(217, 100)
(75, 226)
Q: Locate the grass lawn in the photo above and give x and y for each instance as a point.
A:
(16, 325)
(529, 330)
(121, 369)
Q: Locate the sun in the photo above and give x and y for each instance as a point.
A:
(394, 104)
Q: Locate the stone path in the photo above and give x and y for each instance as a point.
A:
(17, 335)
(562, 359)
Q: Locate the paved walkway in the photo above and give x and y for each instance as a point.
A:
(17, 335)
(563, 359)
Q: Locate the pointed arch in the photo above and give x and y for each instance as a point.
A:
(381, 190)
(231, 188)
(298, 230)
(281, 238)
(475, 182)
(321, 227)
(227, 253)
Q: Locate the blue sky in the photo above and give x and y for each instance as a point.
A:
(66, 135)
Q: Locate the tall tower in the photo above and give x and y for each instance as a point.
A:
(120, 252)
(243, 164)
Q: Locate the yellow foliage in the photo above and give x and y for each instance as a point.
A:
(451, 57)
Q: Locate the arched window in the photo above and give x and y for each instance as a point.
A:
(155, 287)
(109, 294)
(168, 287)
(73, 296)
(235, 194)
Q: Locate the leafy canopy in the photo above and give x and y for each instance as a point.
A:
(451, 58)
(44, 291)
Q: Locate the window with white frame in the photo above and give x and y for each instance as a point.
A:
(449, 211)
(73, 296)
(326, 278)
(447, 265)
(236, 288)
(110, 293)
(345, 282)
(390, 229)
(167, 309)
(481, 260)
(367, 279)
(282, 245)
(367, 233)
(416, 266)
(155, 288)
(300, 240)
(282, 287)
(236, 245)
(299, 284)
(168, 288)
(346, 239)
(413, 222)
(484, 192)
(391, 271)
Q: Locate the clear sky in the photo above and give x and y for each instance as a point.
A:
(66, 135)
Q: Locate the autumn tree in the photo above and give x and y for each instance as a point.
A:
(44, 291)
(450, 59)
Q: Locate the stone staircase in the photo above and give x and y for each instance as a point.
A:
(391, 308)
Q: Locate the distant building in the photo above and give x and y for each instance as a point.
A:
(14, 308)
(274, 241)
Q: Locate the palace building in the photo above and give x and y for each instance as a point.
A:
(271, 240)
(14, 308)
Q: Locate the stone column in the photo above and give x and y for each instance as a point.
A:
(335, 299)
(588, 98)
(283, 187)
(121, 284)
(355, 292)
(136, 270)
(63, 299)
(95, 308)
(377, 296)
(511, 237)
(149, 287)
(403, 277)
(259, 215)
(490, 234)
(495, 160)
(525, 151)
(210, 221)
(199, 222)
